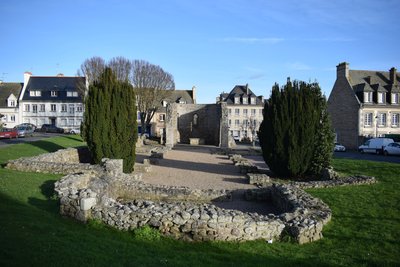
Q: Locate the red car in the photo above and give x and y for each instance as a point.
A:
(8, 133)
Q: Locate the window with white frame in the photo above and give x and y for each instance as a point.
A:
(11, 103)
(53, 93)
(79, 108)
(367, 97)
(368, 119)
(35, 93)
(12, 118)
(162, 117)
(382, 119)
(27, 107)
(237, 122)
(381, 98)
(78, 122)
(71, 122)
(42, 108)
(237, 111)
(230, 123)
(244, 100)
(63, 108)
(71, 108)
(395, 119)
(245, 122)
(72, 94)
(34, 108)
(53, 108)
(229, 111)
(253, 112)
(245, 112)
(395, 98)
(237, 100)
(253, 100)
(63, 122)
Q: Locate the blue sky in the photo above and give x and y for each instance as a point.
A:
(213, 45)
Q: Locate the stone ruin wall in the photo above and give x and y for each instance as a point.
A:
(125, 202)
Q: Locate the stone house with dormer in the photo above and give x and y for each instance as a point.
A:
(245, 111)
(364, 104)
(51, 100)
(9, 93)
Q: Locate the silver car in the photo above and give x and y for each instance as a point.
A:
(25, 130)
(392, 149)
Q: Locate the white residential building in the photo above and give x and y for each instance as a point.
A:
(51, 100)
(245, 112)
(9, 93)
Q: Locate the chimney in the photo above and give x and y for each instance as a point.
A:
(392, 74)
(247, 88)
(27, 75)
(194, 94)
(342, 70)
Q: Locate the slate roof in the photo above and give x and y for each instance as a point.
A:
(176, 95)
(61, 84)
(6, 89)
(372, 81)
(240, 91)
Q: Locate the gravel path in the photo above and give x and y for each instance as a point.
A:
(197, 168)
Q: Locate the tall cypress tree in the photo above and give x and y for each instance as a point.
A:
(110, 120)
(295, 130)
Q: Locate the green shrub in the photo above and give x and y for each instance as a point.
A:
(110, 126)
(295, 135)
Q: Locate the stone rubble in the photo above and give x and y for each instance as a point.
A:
(125, 202)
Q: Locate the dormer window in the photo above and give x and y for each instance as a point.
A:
(11, 103)
(35, 93)
(253, 100)
(395, 98)
(237, 100)
(367, 97)
(72, 94)
(53, 93)
(381, 98)
(244, 100)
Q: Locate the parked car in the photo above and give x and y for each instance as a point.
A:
(392, 149)
(375, 145)
(339, 148)
(25, 130)
(8, 133)
(75, 131)
(49, 128)
(33, 126)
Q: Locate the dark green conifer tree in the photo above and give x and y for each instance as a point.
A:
(291, 131)
(110, 120)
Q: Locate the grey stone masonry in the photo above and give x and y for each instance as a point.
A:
(125, 202)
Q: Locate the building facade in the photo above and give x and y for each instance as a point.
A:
(245, 112)
(364, 104)
(157, 126)
(9, 93)
(51, 100)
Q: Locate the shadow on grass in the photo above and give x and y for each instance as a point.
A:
(46, 145)
(50, 204)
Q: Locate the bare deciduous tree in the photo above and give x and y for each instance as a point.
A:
(121, 67)
(152, 85)
(91, 68)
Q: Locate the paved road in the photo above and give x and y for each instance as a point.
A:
(35, 137)
(366, 156)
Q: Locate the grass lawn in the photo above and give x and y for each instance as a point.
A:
(364, 231)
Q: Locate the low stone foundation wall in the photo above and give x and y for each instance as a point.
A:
(123, 201)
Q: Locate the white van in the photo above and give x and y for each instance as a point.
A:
(375, 145)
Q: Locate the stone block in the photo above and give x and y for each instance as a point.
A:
(87, 203)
